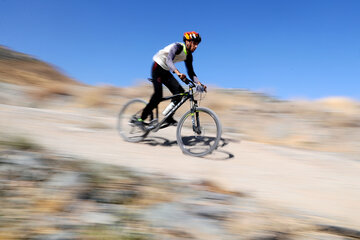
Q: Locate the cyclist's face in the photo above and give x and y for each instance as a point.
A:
(191, 45)
(194, 46)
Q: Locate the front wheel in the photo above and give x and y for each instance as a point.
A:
(126, 121)
(198, 133)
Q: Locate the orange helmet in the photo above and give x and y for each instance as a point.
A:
(192, 36)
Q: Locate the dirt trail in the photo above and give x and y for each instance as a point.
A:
(323, 185)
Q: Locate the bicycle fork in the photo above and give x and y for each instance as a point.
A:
(196, 122)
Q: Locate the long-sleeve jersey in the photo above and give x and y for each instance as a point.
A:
(173, 53)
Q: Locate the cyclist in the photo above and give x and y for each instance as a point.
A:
(161, 71)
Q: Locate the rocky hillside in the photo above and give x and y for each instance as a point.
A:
(46, 196)
(19, 68)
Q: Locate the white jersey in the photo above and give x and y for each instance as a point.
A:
(161, 56)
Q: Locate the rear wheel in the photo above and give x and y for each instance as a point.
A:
(130, 112)
(198, 133)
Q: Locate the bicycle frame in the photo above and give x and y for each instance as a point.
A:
(185, 96)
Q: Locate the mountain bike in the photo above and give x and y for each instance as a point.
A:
(198, 131)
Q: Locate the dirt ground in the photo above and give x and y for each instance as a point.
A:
(323, 185)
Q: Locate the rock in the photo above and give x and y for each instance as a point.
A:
(56, 236)
(175, 216)
(35, 175)
(27, 159)
(114, 196)
(270, 236)
(63, 180)
(98, 218)
(346, 232)
(219, 213)
(217, 197)
(319, 236)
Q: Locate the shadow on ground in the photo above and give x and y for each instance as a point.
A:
(159, 141)
(218, 154)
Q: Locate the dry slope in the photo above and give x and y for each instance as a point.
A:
(20, 68)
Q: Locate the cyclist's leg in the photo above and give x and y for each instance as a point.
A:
(175, 88)
(155, 99)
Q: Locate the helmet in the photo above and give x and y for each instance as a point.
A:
(192, 36)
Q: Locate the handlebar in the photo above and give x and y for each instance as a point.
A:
(192, 84)
(189, 82)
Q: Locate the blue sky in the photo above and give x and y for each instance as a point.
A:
(288, 48)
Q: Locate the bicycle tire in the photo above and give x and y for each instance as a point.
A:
(203, 142)
(125, 126)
